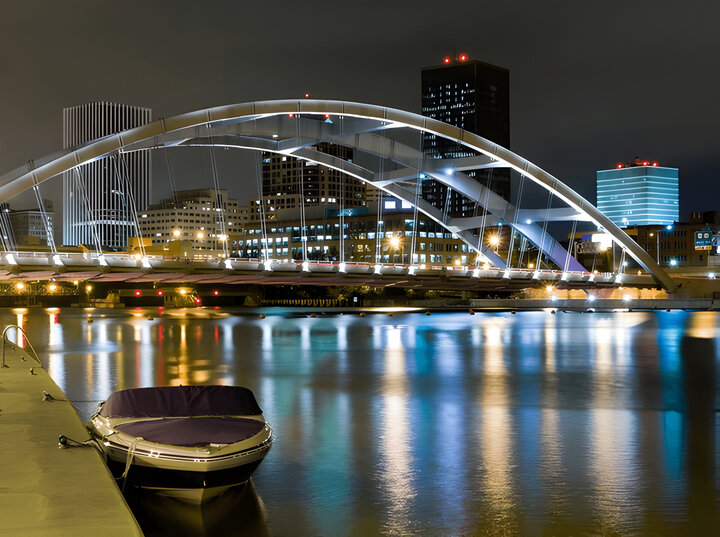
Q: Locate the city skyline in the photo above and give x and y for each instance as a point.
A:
(590, 86)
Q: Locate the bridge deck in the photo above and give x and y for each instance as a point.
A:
(45, 490)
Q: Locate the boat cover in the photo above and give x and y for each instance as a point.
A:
(193, 432)
(181, 401)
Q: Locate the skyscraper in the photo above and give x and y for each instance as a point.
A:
(101, 199)
(639, 193)
(474, 96)
(287, 180)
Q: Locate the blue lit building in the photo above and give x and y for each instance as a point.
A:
(639, 193)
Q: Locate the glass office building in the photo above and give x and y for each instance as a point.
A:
(638, 194)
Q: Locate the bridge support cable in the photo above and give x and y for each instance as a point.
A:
(220, 209)
(171, 176)
(263, 229)
(6, 232)
(46, 221)
(379, 220)
(92, 221)
(523, 246)
(541, 245)
(341, 213)
(414, 258)
(569, 248)
(43, 213)
(483, 220)
(511, 244)
(304, 231)
(126, 194)
(621, 263)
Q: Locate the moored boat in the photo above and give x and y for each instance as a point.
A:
(188, 442)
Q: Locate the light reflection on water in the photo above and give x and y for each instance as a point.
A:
(450, 424)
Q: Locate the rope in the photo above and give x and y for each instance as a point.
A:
(129, 459)
(65, 442)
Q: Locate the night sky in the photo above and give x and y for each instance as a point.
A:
(592, 83)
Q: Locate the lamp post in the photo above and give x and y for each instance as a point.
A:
(656, 232)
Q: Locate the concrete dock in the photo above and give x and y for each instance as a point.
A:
(45, 490)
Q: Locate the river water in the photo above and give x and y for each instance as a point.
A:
(444, 424)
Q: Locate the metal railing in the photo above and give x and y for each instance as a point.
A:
(22, 356)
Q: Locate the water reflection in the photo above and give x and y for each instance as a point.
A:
(450, 424)
(238, 513)
(396, 471)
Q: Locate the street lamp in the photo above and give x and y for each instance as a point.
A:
(395, 243)
(495, 241)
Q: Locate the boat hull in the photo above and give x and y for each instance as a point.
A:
(185, 485)
(182, 441)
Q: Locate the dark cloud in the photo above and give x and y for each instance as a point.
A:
(592, 83)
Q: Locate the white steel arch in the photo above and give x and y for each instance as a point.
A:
(234, 126)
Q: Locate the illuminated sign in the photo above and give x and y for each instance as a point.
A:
(703, 239)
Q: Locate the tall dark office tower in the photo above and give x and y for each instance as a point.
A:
(285, 177)
(100, 198)
(474, 96)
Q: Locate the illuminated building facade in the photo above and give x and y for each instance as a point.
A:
(366, 240)
(287, 180)
(31, 226)
(639, 193)
(192, 216)
(474, 96)
(100, 198)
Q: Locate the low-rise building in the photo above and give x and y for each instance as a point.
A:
(392, 238)
(201, 218)
(671, 245)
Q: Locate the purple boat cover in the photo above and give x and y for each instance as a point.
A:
(181, 401)
(193, 432)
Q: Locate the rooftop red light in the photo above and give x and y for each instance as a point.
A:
(216, 292)
(137, 292)
(446, 59)
(160, 292)
(463, 57)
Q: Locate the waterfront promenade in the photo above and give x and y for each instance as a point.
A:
(45, 490)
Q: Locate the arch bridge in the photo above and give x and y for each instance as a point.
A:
(387, 154)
